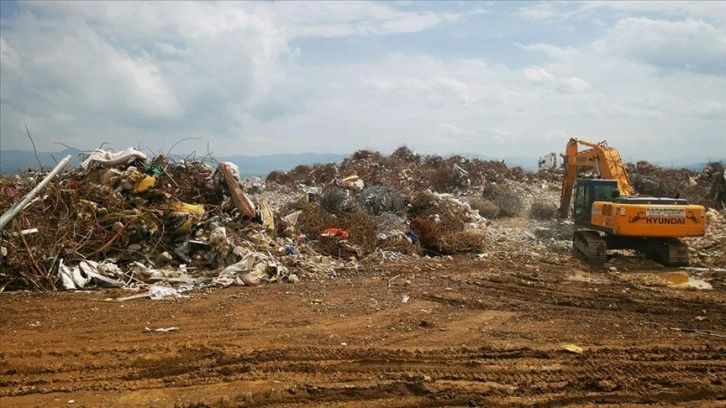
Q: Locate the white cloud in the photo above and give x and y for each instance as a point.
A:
(556, 12)
(82, 70)
(688, 44)
(439, 84)
(8, 56)
(547, 11)
(571, 84)
(227, 72)
(338, 19)
(576, 84)
(679, 9)
(710, 110)
(177, 70)
(451, 130)
(549, 49)
(537, 74)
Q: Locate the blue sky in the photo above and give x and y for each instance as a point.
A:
(496, 78)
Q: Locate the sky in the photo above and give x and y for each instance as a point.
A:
(501, 79)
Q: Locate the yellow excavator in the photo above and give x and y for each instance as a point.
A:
(608, 215)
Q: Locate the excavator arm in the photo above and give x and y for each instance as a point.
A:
(605, 159)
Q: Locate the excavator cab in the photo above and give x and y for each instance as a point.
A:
(589, 190)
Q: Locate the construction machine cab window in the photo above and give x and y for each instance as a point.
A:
(589, 190)
(605, 192)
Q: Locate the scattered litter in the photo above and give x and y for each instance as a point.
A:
(161, 329)
(144, 183)
(162, 227)
(22, 204)
(335, 232)
(572, 348)
(106, 158)
(268, 219)
(157, 292)
(239, 198)
(701, 332)
(26, 231)
(353, 182)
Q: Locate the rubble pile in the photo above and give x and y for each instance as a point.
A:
(710, 250)
(707, 187)
(126, 220)
(406, 170)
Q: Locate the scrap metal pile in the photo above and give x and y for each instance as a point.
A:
(163, 226)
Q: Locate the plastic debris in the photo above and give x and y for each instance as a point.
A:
(293, 217)
(20, 205)
(353, 183)
(107, 159)
(154, 170)
(335, 232)
(187, 225)
(572, 348)
(78, 277)
(185, 215)
(290, 251)
(268, 219)
(144, 184)
(158, 292)
(230, 173)
(161, 329)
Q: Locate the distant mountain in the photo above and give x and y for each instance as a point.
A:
(263, 165)
(693, 163)
(12, 161)
(527, 163)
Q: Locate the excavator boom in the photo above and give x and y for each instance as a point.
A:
(605, 159)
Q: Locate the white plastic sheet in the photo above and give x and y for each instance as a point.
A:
(107, 159)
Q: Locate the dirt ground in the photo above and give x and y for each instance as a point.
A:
(430, 333)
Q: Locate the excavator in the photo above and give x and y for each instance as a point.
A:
(609, 215)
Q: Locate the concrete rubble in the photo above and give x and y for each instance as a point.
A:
(163, 228)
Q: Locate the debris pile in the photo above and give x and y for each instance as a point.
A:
(126, 220)
(707, 187)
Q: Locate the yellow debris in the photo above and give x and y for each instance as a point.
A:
(572, 348)
(144, 184)
(195, 209)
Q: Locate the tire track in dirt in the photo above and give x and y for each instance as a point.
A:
(511, 293)
(238, 349)
(643, 374)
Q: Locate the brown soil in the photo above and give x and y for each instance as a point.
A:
(471, 333)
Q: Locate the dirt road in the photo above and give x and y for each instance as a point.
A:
(427, 334)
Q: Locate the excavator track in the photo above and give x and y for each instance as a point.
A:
(670, 252)
(591, 246)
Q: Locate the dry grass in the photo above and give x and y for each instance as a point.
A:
(428, 231)
(360, 226)
(400, 245)
(542, 210)
(461, 242)
(441, 180)
(509, 203)
(486, 208)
